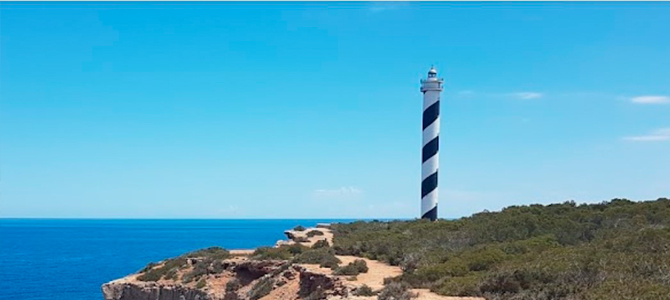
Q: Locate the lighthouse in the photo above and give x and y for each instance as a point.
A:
(430, 161)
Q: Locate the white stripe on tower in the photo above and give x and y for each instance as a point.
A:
(430, 161)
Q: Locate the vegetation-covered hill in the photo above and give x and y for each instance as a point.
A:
(612, 250)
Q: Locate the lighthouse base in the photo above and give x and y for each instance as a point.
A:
(431, 214)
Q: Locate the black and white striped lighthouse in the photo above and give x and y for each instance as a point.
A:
(430, 161)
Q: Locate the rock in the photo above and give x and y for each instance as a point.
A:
(153, 291)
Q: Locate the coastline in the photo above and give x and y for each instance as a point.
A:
(290, 280)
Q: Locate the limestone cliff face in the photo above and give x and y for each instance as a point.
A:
(287, 281)
(152, 291)
(208, 274)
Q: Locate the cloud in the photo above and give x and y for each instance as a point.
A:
(342, 192)
(528, 95)
(662, 134)
(650, 99)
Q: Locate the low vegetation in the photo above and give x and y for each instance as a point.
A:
(205, 261)
(300, 239)
(313, 233)
(353, 268)
(364, 291)
(320, 244)
(324, 257)
(613, 250)
(396, 291)
(261, 288)
(284, 252)
(201, 283)
(299, 228)
(233, 285)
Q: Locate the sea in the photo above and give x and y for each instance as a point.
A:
(69, 259)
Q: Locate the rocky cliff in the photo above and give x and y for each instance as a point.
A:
(241, 280)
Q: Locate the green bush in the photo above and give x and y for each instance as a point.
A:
(396, 291)
(317, 294)
(330, 262)
(299, 228)
(233, 285)
(169, 267)
(353, 268)
(300, 239)
(459, 286)
(262, 288)
(323, 257)
(284, 252)
(364, 291)
(320, 244)
(201, 283)
(200, 268)
(611, 250)
(211, 253)
(312, 233)
(451, 268)
(148, 267)
(483, 259)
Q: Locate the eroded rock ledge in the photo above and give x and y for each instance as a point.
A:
(286, 281)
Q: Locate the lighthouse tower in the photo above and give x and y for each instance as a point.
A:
(431, 88)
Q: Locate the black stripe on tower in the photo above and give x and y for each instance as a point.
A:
(429, 184)
(430, 114)
(431, 214)
(430, 149)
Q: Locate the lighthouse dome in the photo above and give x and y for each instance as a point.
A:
(432, 71)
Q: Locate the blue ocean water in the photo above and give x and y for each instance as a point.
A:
(69, 259)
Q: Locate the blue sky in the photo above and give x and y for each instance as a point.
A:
(309, 110)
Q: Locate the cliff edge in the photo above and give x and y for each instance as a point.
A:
(302, 267)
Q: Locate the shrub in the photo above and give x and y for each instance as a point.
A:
(323, 257)
(451, 268)
(299, 228)
(211, 253)
(396, 291)
(483, 259)
(317, 294)
(233, 285)
(330, 262)
(459, 286)
(154, 273)
(217, 267)
(284, 252)
(320, 244)
(300, 239)
(201, 283)
(150, 276)
(353, 268)
(261, 288)
(171, 274)
(610, 250)
(148, 267)
(364, 291)
(312, 233)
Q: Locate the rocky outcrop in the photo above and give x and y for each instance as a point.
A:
(248, 273)
(312, 283)
(151, 291)
(208, 276)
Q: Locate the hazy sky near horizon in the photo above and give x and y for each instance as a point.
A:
(313, 110)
